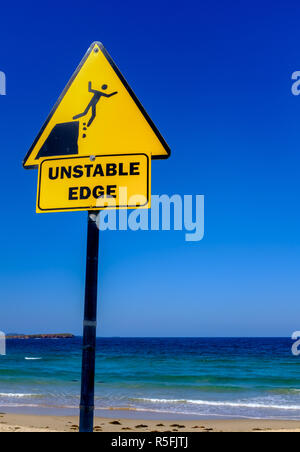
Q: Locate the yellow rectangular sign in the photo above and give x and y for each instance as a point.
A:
(94, 183)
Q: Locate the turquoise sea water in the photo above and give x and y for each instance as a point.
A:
(187, 378)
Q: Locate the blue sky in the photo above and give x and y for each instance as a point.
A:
(215, 77)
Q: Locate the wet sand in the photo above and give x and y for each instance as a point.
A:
(32, 423)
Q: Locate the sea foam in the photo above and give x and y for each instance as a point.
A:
(223, 404)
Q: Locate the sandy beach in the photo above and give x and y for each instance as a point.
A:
(31, 423)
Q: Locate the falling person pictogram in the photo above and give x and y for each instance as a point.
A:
(93, 102)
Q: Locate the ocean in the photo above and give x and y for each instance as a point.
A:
(162, 378)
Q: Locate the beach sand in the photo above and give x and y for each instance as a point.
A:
(32, 423)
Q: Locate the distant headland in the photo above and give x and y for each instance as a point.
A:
(40, 336)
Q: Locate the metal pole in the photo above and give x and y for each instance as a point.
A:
(89, 328)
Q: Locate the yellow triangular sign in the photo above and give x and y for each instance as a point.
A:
(96, 114)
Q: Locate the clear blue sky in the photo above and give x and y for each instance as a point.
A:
(216, 79)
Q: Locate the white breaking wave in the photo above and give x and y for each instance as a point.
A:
(32, 359)
(225, 404)
(16, 395)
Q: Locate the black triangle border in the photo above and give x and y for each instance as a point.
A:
(126, 85)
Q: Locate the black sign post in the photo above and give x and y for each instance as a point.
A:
(89, 328)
